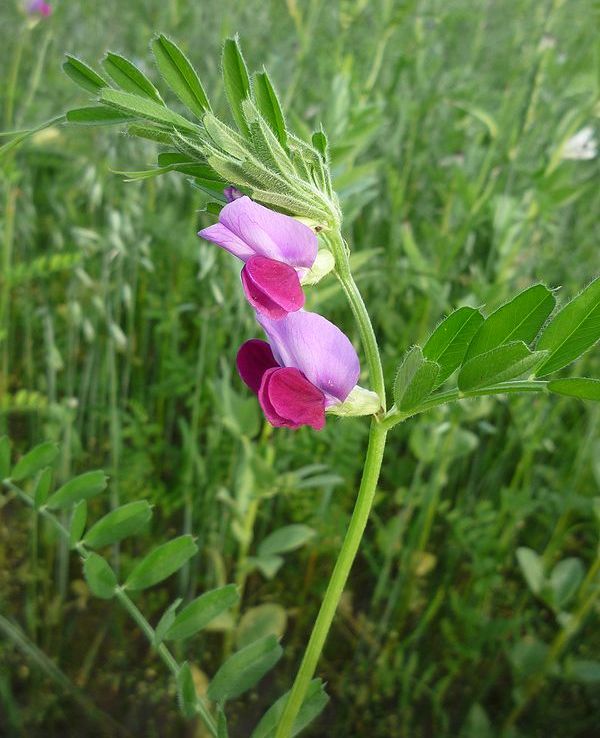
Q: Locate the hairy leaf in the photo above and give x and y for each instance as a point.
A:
(509, 361)
(449, 342)
(199, 613)
(582, 387)
(517, 320)
(572, 331)
(36, 459)
(415, 379)
(237, 82)
(180, 75)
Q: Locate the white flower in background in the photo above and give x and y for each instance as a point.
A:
(582, 146)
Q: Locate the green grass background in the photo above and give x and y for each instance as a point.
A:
(119, 332)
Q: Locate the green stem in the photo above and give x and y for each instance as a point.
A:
(364, 501)
(338, 579)
(127, 603)
(365, 327)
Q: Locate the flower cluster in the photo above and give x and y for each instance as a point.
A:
(308, 365)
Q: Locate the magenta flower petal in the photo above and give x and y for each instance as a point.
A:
(227, 240)
(289, 400)
(232, 193)
(268, 233)
(272, 287)
(317, 348)
(253, 359)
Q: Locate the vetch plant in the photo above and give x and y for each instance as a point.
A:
(278, 213)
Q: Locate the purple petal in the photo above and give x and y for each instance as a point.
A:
(254, 358)
(227, 240)
(271, 234)
(289, 400)
(272, 287)
(232, 193)
(317, 348)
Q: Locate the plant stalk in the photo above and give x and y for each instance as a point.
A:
(362, 508)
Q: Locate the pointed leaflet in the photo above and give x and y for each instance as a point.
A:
(97, 115)
(314, 703)
(415, 379)
(268, 104)
(237, 82)
(186, 691)
(161, 563)
(141, 107)
(99, 576)
(449, 342)
(517, 320)
(244, 669)
(201, 611)
(165, 622)
(36, 459)
(77, 525)
(118, 524)
(129, 77)
(572, 331)
(42, 487)
(79, 488)
(83, 75)
(582, 387)
(285, 539)
(498, 365)
(178, 72)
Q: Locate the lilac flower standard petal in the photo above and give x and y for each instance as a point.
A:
(289, 400)
(269, 233)
(227, 240)
(272, 287)
(317, 348)
(254, 358)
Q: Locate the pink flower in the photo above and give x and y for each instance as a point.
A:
(39, 7)
(276, 250)
(307, 366)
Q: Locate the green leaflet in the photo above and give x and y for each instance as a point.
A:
(314, 703)
(415, 379)
(78, 520)
(83, 75)
(180, 75)
(97, 115)
(582, 387)
(201, 611)
(269, 106)
(100, 578)
(161, 563)
(244, 669)
(142, 107)
(120, 523)
(36, 459)
(505, 362)
(520, 319)
(129, 77)
(237, 82)
(449, 342)
(572, 331)
(288, 538)
(79, 488)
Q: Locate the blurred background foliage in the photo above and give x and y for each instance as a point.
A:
(118, 335)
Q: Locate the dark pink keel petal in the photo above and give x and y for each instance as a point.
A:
(253, 359)
(289, 400)
(272, 287)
